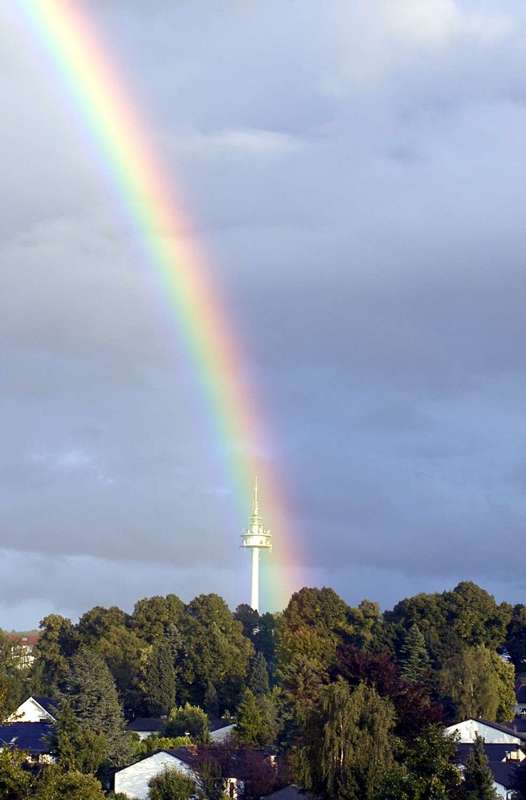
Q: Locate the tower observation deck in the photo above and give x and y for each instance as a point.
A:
(256, 538)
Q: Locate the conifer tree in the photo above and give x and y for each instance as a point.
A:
(249, 719)
(211, 701)
(76, 747)
(159, 683)
(256, 720)
(95, 703)
(478, 778)
(414, 657)
(258, 680)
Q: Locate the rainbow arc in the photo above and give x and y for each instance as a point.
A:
(106, 110)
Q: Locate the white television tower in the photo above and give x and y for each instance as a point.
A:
(256, 538)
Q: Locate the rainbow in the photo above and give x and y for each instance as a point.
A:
(107, 112)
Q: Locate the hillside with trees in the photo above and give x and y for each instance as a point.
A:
(352, 702)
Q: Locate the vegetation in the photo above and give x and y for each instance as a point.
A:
(171, 785)
(256, 720)
(13, 675)
(189, 721)
(353, 701)
(479, 684)
(478, 780)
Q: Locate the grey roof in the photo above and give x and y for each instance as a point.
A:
(505, 727)
(291, 792)
(504, 774)
(237, 766)
(494, 752)
(147, 724)
(30, 736)
(185, 754)
(503, 771)
(217, 724)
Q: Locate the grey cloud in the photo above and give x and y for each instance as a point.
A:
(356, 176)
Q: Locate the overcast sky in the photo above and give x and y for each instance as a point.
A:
(357, 173)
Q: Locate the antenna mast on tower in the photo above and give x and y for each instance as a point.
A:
(256, 538)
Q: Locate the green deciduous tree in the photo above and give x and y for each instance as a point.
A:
(57, 643)
(99, 622)
(515, 642)
(314, 623)
(16, 782)
(249, 619)
(154, 618)
(309, 632)
(466, 616)
(479, 683)
(478, 778)
(366, 627)
(153, 744)
(13, 675)
(54, 784)
(126, 656)
(171, 785)
(216, 651)
(190, 721)
(476, 617)
(414, 658)
(348, 743)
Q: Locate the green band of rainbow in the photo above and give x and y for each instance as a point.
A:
(105, 107)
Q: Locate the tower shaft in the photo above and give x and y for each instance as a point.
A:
(254, 590)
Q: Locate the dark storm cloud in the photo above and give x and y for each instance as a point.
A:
(356, 173)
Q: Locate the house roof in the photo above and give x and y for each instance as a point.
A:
(495, 752)
(505, 774)
(47, 703)
(505, 727)
(29, 638)
(147, 724)
(30, 736)
(216, 723)
(185, 754)
(191, 757)
(291, 792)
(238, 761)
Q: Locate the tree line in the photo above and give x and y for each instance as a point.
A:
(353, 699)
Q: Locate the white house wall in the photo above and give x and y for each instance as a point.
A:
(133, 780)
(30, 711)
(502, 792)
(470, 728)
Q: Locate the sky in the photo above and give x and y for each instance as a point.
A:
(355, 172)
